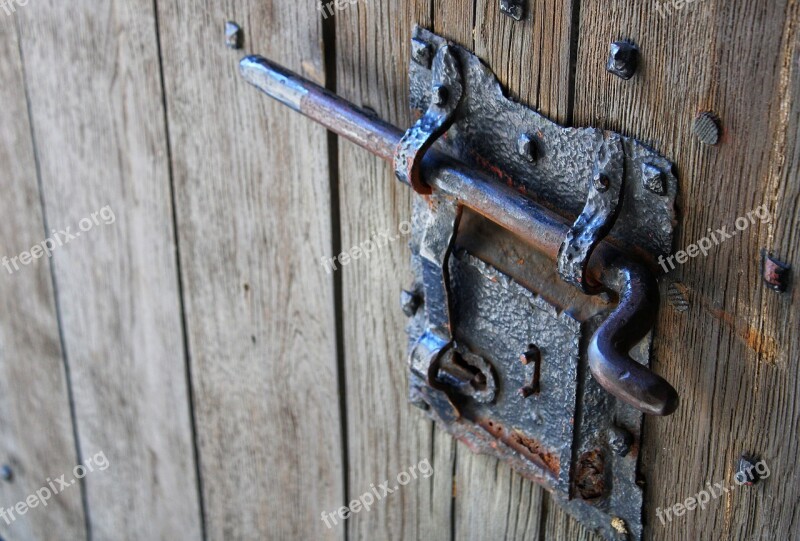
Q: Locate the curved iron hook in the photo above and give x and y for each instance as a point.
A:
(633, 318)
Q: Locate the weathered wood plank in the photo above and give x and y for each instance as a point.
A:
(253, 210)
(36, 432)
(386, 435)
(93, 77)
(733, 354)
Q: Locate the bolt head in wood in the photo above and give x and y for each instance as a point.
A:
(409, 302)
(707, 128)
(422, 53)
(233, 35)
(623, 59)
(775, 273)
(512, 8)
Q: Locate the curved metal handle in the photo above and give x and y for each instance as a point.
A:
(633, 318)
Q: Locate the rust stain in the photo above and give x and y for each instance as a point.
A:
(534, 451)
(528, 447)
(493, 169)
(766, 347)
(590, 479)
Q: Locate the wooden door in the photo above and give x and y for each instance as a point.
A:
(237, 389)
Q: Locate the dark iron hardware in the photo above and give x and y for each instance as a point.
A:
(598, 204)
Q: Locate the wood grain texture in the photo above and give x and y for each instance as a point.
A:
(733, 354)
(92, 73)
(386, 435)
(36, 432)
(253, 210)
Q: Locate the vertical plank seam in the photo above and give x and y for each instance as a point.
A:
(332, 147)
(574, 31)
(54, 283)
(179, 273)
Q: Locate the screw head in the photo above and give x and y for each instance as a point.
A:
(512, 8)
(746, 472)
(775, 273)
(527, 147)
(623, 59)
(440, 95)
(422, 52)
(707, 128)
(233, 35)
(409, 302)
(619, 440)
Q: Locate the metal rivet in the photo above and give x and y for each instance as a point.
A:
(440, 95)
(512, 8)
(233, 35)
(601, 182)
(775, 273)
(623, 59)
(409, 302)
(746, 472)
(422, 52)
(653, 179)
(619, 440)
(707, 128)
(527, 147)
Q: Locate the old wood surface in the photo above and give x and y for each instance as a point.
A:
(36, 431)
(237, 388)
(254, 218)
(734, 353)
(95, 96)
(385, 436)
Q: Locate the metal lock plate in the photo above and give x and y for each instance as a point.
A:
(532, 304)
(498, 346)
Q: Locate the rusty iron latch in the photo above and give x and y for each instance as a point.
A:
(534, 249)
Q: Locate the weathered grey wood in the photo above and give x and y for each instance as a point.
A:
(92, 72)
(386, 435)
(36, 432)
(253, 211)
(733, 354)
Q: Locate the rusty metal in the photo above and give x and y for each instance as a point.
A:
(598, 216)
(446, 92)
(505, 352)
